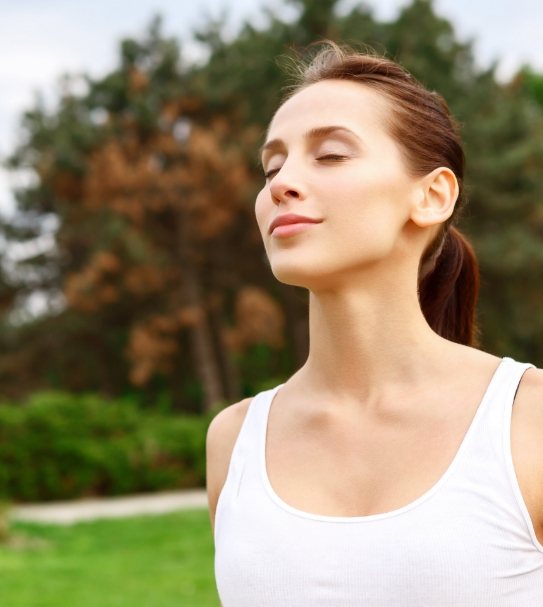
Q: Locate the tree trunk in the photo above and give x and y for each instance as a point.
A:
(230, 368)
(201, 341)
(202, 344)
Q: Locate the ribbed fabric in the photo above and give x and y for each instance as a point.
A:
(467, 542)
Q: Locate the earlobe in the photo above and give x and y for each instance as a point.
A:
(437, 197)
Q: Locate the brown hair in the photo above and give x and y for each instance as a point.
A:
(429, 138)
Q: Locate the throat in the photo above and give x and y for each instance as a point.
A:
(380, 340)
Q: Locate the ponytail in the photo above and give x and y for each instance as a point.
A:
(448, 291)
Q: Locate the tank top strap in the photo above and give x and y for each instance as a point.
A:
(489, 434)
(505, 388)
(254, 425)
(513, 372)
(243, 467)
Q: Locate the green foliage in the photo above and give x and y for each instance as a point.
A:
(151, 94)
(58, 446)
(502, 127)
(532, 83)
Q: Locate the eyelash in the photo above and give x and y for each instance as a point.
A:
(331, 157)
(270, 173)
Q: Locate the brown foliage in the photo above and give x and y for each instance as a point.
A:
(96, 285)
(259, 319)
(204, 177)
(153, 347)
(139, 80)
(144, 279)
(67, 186)
(178, 189)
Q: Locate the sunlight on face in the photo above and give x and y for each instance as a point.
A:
(328, 156)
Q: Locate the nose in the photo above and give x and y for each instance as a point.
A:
(284, 186)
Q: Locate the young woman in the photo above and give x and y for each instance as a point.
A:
(392, 468)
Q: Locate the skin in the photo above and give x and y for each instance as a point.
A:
(377, 413)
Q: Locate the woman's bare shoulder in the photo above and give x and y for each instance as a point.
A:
(529, 398)
(528, 413)
(220, 440)
(527, 443)
(225, 426)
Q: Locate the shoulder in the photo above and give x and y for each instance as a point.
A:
(527, 419)
(220, 440)
(529, 398)
(527, 443)
(227, 422)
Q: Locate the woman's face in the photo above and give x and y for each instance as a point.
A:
(328, 156)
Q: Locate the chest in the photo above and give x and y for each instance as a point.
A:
(358, 467)
(439, 553)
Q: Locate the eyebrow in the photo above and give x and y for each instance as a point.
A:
(315, 133)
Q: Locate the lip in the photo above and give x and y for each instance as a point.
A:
(289, 219)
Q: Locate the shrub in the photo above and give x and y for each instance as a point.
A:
(60, 446)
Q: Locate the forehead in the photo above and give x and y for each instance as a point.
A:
(344, 102)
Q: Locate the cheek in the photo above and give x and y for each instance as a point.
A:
(370, 216)
(261, 209)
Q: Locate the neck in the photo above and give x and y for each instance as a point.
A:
(367, 342)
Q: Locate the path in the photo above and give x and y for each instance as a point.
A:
(66, 513)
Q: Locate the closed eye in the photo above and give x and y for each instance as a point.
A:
(326, 157)
(269, 174)
(332, 157)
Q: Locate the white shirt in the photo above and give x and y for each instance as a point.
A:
(467, 542)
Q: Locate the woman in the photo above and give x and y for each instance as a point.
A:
(391, 468)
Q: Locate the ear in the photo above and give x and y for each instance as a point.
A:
(437, 197)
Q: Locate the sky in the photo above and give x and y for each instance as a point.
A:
(42, 39)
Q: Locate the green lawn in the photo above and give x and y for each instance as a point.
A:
(150, 561)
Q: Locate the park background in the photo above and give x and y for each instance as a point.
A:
(135, 295)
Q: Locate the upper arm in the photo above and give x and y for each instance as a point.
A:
(527, 444)
(221, 437)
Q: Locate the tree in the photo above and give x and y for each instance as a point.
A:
(141, 180)
(151, 173)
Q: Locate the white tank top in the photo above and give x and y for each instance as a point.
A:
(467, 542)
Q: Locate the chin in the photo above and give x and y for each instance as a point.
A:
(308, 277)
(292, 278)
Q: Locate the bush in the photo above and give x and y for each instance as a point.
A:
(60, 446)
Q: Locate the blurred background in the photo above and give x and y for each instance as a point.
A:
(135, 295)
(132, 268)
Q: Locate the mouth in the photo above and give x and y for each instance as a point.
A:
(290, 219)
(291, 229)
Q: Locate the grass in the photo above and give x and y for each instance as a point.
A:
(150, 561)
